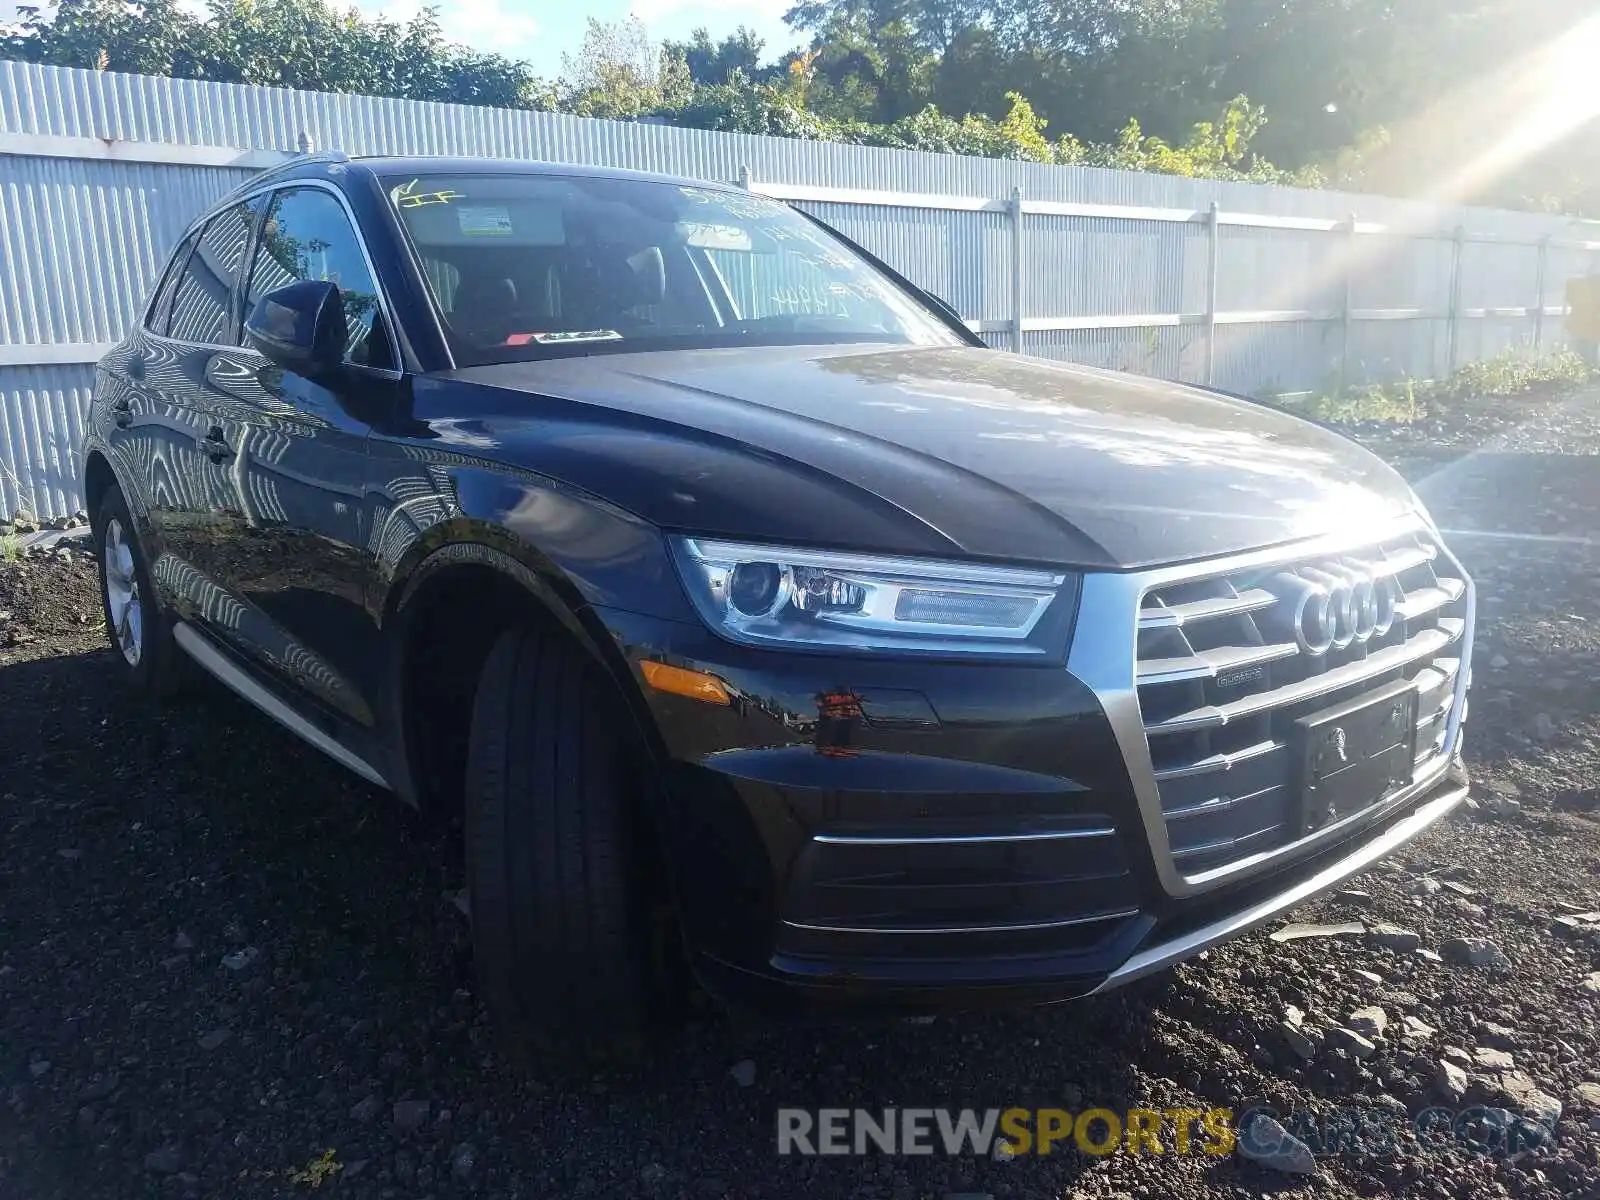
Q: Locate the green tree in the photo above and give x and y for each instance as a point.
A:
(714, 62)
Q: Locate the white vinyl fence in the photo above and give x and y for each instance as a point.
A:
(1249, 288)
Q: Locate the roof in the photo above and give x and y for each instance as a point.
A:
(326, 164)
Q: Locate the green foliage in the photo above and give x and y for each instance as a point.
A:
(10, 547)
(1513, 372)
(284, 43)
(1368, 94)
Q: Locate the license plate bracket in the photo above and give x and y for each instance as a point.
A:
(1355, 754)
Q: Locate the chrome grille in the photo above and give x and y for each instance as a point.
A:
(1227, 662)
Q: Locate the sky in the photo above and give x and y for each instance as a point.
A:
(542, 30)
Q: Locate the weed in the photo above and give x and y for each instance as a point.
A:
(1512, 373)
(317, 1171)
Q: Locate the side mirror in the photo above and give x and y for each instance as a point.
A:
(300, 327)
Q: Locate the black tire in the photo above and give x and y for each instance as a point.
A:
(155, 666)
(560, 899)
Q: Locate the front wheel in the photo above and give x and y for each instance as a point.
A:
(557, 858)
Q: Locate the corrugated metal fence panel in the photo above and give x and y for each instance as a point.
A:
(41, 427)
(81, 240)
(964, 257)
(1172, 352)
(55, 100)
(1293, 356)
(1074, 266)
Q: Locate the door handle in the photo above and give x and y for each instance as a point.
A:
(122, 413)
(215, 446)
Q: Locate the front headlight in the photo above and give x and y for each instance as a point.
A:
(783, 596)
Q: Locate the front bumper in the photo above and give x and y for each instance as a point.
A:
(910, 835)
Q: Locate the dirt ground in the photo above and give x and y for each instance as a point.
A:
(229, 968)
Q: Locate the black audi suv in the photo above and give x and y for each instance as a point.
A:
(750, 613)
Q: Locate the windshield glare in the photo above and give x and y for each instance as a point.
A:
(530, 266)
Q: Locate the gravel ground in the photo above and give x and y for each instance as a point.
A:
(228, 968)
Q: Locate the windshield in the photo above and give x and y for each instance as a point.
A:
(531, 266)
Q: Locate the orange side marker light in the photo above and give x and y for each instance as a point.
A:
(697, 685)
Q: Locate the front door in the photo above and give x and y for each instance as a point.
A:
(291, 544)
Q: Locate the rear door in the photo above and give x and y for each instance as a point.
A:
(179, 376)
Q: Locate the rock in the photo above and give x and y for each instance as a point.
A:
(1458, 888)
(1294, 1016)
(1370, 1022)
(1426, 886)
(1578, 925)
(463, 1159)
(365, 1109)
(1414, 1030)
(743, 1072)
(1490, 1059)
(1587, 1094)
(239, 960)
(410, 1115)
(69, 853)
(1294, 932)
(1298, 1041)
(1499, 662)
(652, 1173)
(1452, 1081)
(183, 941)
(1458, 1056)
(1371, 977)
(168, 1160)
(1540, 1105)
(1501, 806)
(1393, 937)
(1430, 956)
(1543, 727)
(214, 1039)
(1501, 1037)
(1351, 1042)
(1265, 1142)
(1591, 983)
(1475, 952)
(1354, 896)
(100, 1086)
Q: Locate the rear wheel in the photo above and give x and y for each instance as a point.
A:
(556, 858)
(140, 631)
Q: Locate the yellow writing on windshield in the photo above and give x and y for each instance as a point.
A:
(406, 196)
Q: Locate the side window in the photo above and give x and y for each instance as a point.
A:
(308, 236)
(155, 316)
(202, 305)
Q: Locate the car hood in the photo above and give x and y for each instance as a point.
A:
(1003, 456)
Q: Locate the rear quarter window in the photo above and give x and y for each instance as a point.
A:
(203, 301)
(155, 315)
